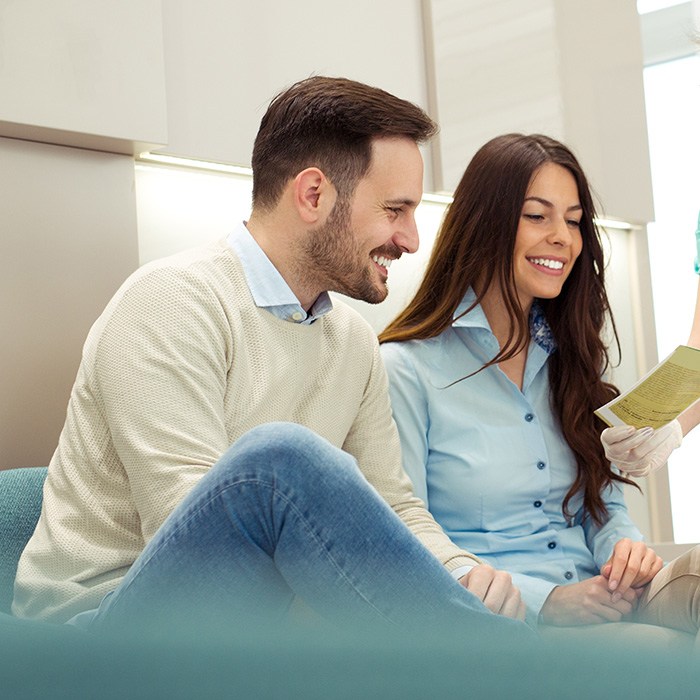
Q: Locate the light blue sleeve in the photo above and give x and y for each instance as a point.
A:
(534, 592)
(602, 538)
(409, 406)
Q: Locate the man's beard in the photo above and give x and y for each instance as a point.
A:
(338, 264)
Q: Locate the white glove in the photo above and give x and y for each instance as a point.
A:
(638, 452)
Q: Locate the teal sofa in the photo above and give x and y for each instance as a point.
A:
(20, 505)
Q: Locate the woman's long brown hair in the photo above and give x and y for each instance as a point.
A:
(474, 248)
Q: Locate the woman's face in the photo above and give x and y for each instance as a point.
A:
(548, 239)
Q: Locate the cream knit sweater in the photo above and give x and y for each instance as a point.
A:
(180, 364)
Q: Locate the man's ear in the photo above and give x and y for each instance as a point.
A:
(314, 196)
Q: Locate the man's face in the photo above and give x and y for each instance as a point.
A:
(352, 251)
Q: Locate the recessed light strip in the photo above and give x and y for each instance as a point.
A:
(618, 224)
(193, 164)
(211, 166)
(437, 198)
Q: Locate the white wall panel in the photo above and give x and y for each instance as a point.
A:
(572, 70)
(68, 235)
(495, 64)
(603, 96)
(85, 73)
(225, 60)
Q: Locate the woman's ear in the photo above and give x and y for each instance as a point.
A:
(314, 196)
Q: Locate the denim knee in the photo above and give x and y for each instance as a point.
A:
(285, 449)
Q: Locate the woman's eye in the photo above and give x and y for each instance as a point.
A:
(574, 223)
(534, 217)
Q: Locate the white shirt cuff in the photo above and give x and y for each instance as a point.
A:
(461, 570)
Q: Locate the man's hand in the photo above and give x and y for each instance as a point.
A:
(640, 452)
(586, 603)
(495, 590)
(631, 565)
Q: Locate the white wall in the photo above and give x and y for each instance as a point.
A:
(572, 70)
(68, 228)
(86, 73)
(226, 59)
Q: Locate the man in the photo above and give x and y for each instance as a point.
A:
(237, 345)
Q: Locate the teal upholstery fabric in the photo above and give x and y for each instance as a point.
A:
(20, 505)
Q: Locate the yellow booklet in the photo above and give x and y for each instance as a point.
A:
(660, 395)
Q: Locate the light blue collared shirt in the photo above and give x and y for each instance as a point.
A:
(490, 460)
(267, 286)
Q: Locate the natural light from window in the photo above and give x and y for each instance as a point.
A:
(673, 113)
(644, 6)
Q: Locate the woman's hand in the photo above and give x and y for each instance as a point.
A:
(586, 603)
(631, 565)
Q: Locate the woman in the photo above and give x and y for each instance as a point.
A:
(495, 369)
(640, 452)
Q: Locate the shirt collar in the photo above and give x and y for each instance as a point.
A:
(540, 332)
(476, 318)
(268, 288)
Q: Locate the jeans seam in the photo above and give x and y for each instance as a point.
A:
(330, 557)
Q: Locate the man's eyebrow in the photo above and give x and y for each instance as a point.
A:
(402, 201)
(547, 203)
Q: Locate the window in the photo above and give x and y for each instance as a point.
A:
(645, 6)
(672, 88)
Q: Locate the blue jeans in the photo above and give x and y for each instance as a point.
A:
(284, 513)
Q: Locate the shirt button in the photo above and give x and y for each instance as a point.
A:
(537, 504)
(552, 545)
(297, 316)
(568, 575)
(529, 417)
(541, 465)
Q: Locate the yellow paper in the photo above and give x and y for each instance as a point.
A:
(661, 395)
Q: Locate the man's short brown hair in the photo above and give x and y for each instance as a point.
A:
(328, 123)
